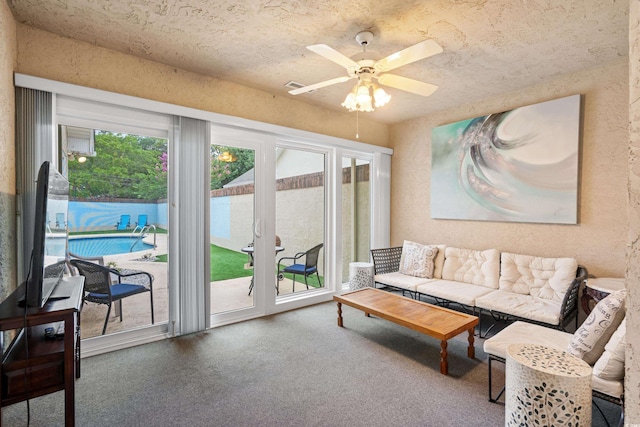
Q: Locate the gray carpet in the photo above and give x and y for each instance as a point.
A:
(292, 369)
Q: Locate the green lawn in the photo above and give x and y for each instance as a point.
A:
(228, 264)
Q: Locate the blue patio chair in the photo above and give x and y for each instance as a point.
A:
(141, 224)
(99, 287)
(309, 267)
(125, 222)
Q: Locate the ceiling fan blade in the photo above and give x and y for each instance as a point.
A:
(414, 53)
(333, 55)
(409, 85)
(309, 88)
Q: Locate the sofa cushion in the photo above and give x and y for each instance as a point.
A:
(526, 306)
(613, 388)
(470, 266)
(462, 293)
(610, 365)
(399, 280)
(547, 278)
(417, 260)
(523, 332)
(589, 340)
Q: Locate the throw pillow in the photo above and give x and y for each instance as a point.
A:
(417, 260)
(610, 366)
(589, 340)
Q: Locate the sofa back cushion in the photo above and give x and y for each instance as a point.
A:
(610, 366)
(470, 266)
(438, 264)
(546, 278)
(589, 340)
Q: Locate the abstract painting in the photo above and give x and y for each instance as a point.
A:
(520, 165)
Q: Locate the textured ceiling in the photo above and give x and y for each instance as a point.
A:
(490, 46)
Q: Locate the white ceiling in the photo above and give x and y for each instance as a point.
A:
(490, 46)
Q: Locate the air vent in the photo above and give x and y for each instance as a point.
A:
(296, 85)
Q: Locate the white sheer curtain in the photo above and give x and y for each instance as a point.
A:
(380, 177)
(35, 144)
(189, 212)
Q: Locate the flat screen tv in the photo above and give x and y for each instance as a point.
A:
(50, 235)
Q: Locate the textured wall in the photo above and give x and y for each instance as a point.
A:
(43, 54)
(598, 241)
(8, 56)
(632, 368)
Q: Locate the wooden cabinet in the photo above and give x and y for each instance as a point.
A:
(32, 365)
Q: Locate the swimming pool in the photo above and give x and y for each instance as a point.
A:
(105, 245)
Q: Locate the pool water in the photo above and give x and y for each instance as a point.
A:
(99, 246)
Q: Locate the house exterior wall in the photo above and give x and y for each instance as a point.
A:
(598, 241)
(300, 215)
(8, 59)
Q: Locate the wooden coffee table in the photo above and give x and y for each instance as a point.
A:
(437, 322)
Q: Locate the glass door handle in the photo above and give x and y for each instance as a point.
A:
(256, 229)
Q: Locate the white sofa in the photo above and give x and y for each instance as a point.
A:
(599, 341)
(513, 286)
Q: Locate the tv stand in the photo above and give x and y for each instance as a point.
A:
(51, 365)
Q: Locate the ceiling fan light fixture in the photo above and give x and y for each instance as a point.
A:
(359, 99)
(380, 96)
(364, 96)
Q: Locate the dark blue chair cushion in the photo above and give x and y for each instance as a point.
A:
(300, 269)
(118, 291)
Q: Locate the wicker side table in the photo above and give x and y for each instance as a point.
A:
(546, 386)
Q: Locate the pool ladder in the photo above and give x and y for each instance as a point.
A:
(144, 230)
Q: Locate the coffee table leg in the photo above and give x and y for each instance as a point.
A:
(471, 350)
(340, 314)
(444, 363)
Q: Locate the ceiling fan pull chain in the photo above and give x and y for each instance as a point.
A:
(357, 124)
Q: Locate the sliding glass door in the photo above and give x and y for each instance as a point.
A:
(233, 225)
(232, 204)
(300, 219)
(117, 218)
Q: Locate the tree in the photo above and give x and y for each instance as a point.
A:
(125, 166)
(223, 172)
(135, 167)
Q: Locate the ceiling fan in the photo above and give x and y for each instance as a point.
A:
(366, 69)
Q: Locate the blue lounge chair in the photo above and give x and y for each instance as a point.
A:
(141, 224)
(125, 222)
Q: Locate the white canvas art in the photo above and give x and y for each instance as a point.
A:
(519, 165)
